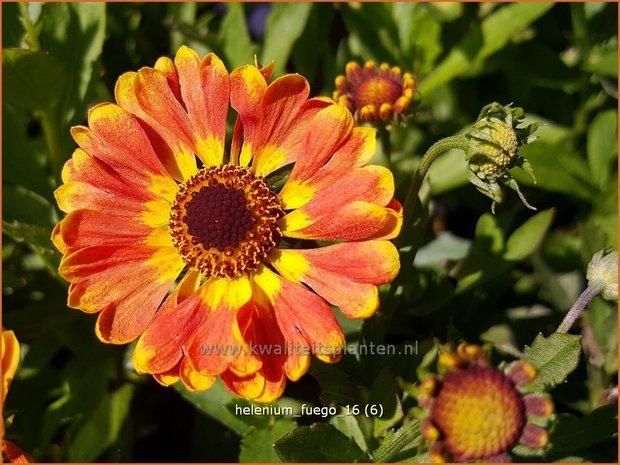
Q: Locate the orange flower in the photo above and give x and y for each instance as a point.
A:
(375, 96)
(478, 412)
(151, 196)
(10, 360)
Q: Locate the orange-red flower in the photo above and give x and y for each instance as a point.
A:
(373, 95)
(476, 411)
(10, 360)
(154, 195)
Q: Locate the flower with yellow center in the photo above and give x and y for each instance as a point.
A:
(155, 196)
(375, 95)
(477, 412)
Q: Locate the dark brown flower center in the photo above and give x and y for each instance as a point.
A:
(224, 221)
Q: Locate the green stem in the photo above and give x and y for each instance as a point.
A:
(443, 145)
(411, 223)
(583, 300)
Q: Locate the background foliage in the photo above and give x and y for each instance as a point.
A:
(489, 279)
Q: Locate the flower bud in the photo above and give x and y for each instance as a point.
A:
(494, 142)
(603, 273)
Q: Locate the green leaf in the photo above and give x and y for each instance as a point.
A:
(384, 394)
(479, 270)
(32, 234)
(23, 205)
(373, 32)
(603, 146)
(603, 59)
(489, 237)
(103, 426)
(257, 445)
(419, 34)
(528, 237)
(213, 403)
(74, 33)
(482, 41)
(12, 28)
(238, 48)
(350, 427)
(20, 164)
(336, 387)
(405, 437)
(320, 442)
(284, 26)
(554, 357)
(572, 433)
(31, 80)
(557, 170)
(313, 54)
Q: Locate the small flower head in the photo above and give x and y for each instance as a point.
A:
(375, 95)
(493, 150)
(603, 273)
(475, 411)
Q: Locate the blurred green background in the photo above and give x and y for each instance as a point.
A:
(497, 279)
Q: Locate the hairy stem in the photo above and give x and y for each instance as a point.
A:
(583, 300)
(443, 145)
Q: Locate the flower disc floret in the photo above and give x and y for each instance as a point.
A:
(224, 221)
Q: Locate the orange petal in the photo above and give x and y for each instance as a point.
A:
(248, 387)
(298, 310)
(193, 379)
(82, 167)
(266, 385)
(247, 88)
(127, 283)
(173, 144)
(14, 454)
(274, 118)
(275, 382)
(329, 128)
(115, 137)
(170, 377)
(289, 350)
(374, 184)
(288, 143)
(160, 347)
(86, 228)
(80, 195)
(346, 275)
(205, 88)
(218, 340)
(167, 67)
(280, 108)
(356, 151)
(10, 360)
(356, 221)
